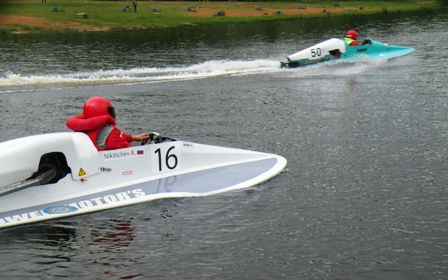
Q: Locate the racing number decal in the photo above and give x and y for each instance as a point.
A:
(316, 52)
(166, 159)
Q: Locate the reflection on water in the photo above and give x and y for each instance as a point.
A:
(108, 241)
(46, 246)
(52, 247)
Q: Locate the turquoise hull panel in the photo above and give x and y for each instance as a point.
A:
(374, 50)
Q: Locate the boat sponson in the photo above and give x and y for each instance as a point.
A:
(199, 183)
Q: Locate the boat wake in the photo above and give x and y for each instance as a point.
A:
(13, 82)
(203, 70)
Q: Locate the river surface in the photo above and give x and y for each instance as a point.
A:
(365, 192)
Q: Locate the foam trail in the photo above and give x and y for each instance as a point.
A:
(336, 68)
(136, 75)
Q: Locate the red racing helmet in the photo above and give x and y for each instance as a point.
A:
(98, 106)
(352, 34)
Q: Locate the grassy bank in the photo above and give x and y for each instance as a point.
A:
(23, 15)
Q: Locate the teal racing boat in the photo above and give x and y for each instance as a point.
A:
(338, 49)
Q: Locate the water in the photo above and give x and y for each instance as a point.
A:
(364, 195)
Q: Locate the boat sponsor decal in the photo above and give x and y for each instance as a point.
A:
(127, 172)
(72, 207)
(59, 210)
(109, 155)
(81, 172)
(108, 199)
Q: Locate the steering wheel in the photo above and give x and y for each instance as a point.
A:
(367, 42)
(154, 137)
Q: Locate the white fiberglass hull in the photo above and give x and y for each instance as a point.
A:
(109, 179)
(337, 49)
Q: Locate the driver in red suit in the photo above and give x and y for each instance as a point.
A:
(98, 122)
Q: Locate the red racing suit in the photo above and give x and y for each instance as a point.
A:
(93, 126)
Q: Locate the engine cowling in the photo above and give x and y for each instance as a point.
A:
(325, 50)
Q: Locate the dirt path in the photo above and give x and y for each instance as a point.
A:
(14, 21)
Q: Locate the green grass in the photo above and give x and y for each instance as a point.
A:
(108, 15)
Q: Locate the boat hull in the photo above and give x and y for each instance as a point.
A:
(140, 174)
(337, 49)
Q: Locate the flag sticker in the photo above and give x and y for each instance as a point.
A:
(81, 172)
(140, 152)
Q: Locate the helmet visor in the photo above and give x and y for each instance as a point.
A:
(111, 111)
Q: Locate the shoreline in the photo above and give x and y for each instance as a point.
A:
(25, 16)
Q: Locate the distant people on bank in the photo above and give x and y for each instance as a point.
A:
(134, 4)
(98, 122)
(351, 37)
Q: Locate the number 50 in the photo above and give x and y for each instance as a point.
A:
(316, 52)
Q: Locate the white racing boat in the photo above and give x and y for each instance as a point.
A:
(333, 49)
(57, 175)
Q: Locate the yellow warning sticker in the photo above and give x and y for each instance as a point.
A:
(81, 172)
